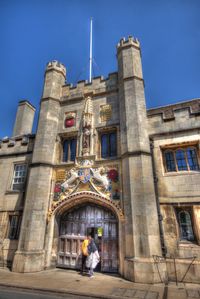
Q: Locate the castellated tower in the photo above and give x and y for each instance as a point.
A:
(142, 238)
(89, 169)
(30, 254)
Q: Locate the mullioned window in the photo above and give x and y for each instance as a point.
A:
(181, 159)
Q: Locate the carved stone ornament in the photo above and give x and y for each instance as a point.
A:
(86, 177)
(70, 119)
(105, 112)
(86, 174)
(87, 123)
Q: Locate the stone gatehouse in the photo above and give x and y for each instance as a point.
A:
(101, 163)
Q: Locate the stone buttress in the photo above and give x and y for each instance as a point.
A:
(30, 254)
(142, 238)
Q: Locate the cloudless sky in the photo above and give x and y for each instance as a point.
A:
(33, 32)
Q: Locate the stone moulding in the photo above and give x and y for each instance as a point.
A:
(79, 198)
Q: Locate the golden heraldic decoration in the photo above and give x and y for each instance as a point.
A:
(105, 112)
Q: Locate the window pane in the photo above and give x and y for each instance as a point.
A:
(13, 227)
(113, 144)
(192, 159)
(186, 226)
(18, 226)
(19, 177)
(18, 187)
(104, 146)
(65, 150)
(169, 160)
(72, 149)
(180, 159)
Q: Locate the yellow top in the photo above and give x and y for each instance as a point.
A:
(84, 247)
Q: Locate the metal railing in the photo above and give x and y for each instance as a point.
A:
(160, 259)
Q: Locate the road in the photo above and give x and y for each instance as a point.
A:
(13, 293)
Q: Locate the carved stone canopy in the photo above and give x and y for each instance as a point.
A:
(87, 127)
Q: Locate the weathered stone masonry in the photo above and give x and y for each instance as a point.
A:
(148, 196)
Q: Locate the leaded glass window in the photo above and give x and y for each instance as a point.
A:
(182, 159)
(19, 176)
(109, 145)
(185, 224)
(192, 159)
(69, 150)
(14, 226)
(170, 162)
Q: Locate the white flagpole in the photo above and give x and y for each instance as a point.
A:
(90, 74)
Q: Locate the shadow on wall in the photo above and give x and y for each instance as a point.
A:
(10, 221)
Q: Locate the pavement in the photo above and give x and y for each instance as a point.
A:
(69, 282)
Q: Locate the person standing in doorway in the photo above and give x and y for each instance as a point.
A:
(84, 251)
(93, 257)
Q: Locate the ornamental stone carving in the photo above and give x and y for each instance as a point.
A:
(87, 127)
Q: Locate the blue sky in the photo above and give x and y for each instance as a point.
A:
(34, 32)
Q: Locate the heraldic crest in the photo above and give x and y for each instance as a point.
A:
(84, 176)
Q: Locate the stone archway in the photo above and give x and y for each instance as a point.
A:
(79, 198)
(68, 239)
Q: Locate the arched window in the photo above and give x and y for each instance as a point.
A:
(170, 162)
(185, 223)
(192, 159)
(181, 159)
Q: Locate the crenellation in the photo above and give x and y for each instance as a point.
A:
(16, 144)
(11, 142)
(193, 105)
(98, 79)
(131, 41)
(55, 65)
(98, 85)
(178, 116)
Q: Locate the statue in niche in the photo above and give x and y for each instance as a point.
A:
(86, 138)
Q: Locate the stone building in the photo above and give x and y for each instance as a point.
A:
(101, 163)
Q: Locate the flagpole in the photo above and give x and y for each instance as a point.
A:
(90, 71)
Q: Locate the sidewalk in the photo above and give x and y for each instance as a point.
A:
(101, 286)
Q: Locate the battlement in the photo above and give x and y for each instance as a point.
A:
(167, 112)
(98, 85)
(55, 65)
(16, 144)
(180, 116)
(131, 41)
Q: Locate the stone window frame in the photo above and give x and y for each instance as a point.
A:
(15, 164)
(187, 209)
(107, 130)
(65, 137)
(174, 149)
(9, 234)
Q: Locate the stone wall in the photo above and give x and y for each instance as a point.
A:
(177, 126)
(13, 151)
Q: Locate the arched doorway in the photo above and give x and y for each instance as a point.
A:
(74, 226)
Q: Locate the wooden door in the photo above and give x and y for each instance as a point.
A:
(73, 229)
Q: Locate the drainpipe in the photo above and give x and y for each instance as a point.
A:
(162, 241)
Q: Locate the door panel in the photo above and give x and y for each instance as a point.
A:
(73, 229)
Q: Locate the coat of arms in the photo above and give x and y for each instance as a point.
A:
(84, 175)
